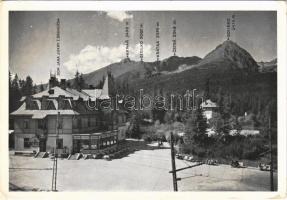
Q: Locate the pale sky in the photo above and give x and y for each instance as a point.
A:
(92, 39)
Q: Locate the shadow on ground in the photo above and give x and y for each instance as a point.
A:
(134, 145)
(13, 187)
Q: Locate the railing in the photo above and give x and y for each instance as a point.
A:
(98, 151)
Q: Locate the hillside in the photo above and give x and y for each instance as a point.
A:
(138, 69)
(232, 53)
(227, 58)
(231, 72)
(270, 66)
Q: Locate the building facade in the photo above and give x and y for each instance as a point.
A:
(61, 117)
(209, 108)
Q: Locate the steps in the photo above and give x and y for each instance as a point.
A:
(76, 156)
(24, 153)
(88, 156)
(41, 155)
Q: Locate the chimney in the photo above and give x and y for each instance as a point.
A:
(53, 82)
(63, 84)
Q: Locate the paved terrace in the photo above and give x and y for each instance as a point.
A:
(143, 170)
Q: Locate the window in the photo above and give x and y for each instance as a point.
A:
(26, 124)
(85, 143)
(67, 104)
(89, 122)
(34, 142)
(51, 105)
(60, 123)
(27, 143)
(41, 124)
(75, 121)
(94, 144)
(59, 143)
(79, 122)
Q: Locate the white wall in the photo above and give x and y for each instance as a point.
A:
(122, 132)
(19, 142)
(67, 142)
(19, 125)
(66, 124)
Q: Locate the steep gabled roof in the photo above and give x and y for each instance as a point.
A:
(78, 94)
(51, 100)
(93, 93)
(105, 91)
(99, 93)
(57, 92)
(41, 113)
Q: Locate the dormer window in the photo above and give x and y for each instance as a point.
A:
(51, 91)
(67, 105)
(26, 124)
(51, 105)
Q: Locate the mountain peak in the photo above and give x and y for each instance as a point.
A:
(125, 60)
(231, 52)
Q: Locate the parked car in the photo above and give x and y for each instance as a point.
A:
(98, 156)
(107, 157)
(179, 156)
(211, 162)
(264, 167)
(190, 158)
(237, 164)
(234, 164)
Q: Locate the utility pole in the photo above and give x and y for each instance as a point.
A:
(173, 163)
(271, 156)
(55, 160)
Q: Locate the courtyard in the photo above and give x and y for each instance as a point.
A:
(145, 169)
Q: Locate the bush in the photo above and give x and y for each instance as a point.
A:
(187, 149)
(237, 147)
(146, 138)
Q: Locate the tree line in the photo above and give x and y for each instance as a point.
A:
(26, 87)
(18, 88)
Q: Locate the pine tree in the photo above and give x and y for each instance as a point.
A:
(35, 89)
(196, 126)
(206, 92)
(79, 81)
(14, 94)
(82, 83)
(10, 80)
(201, 126)
(41, 87)
(216, 122)
(21, 84)
(28, 86)
(76, 80)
